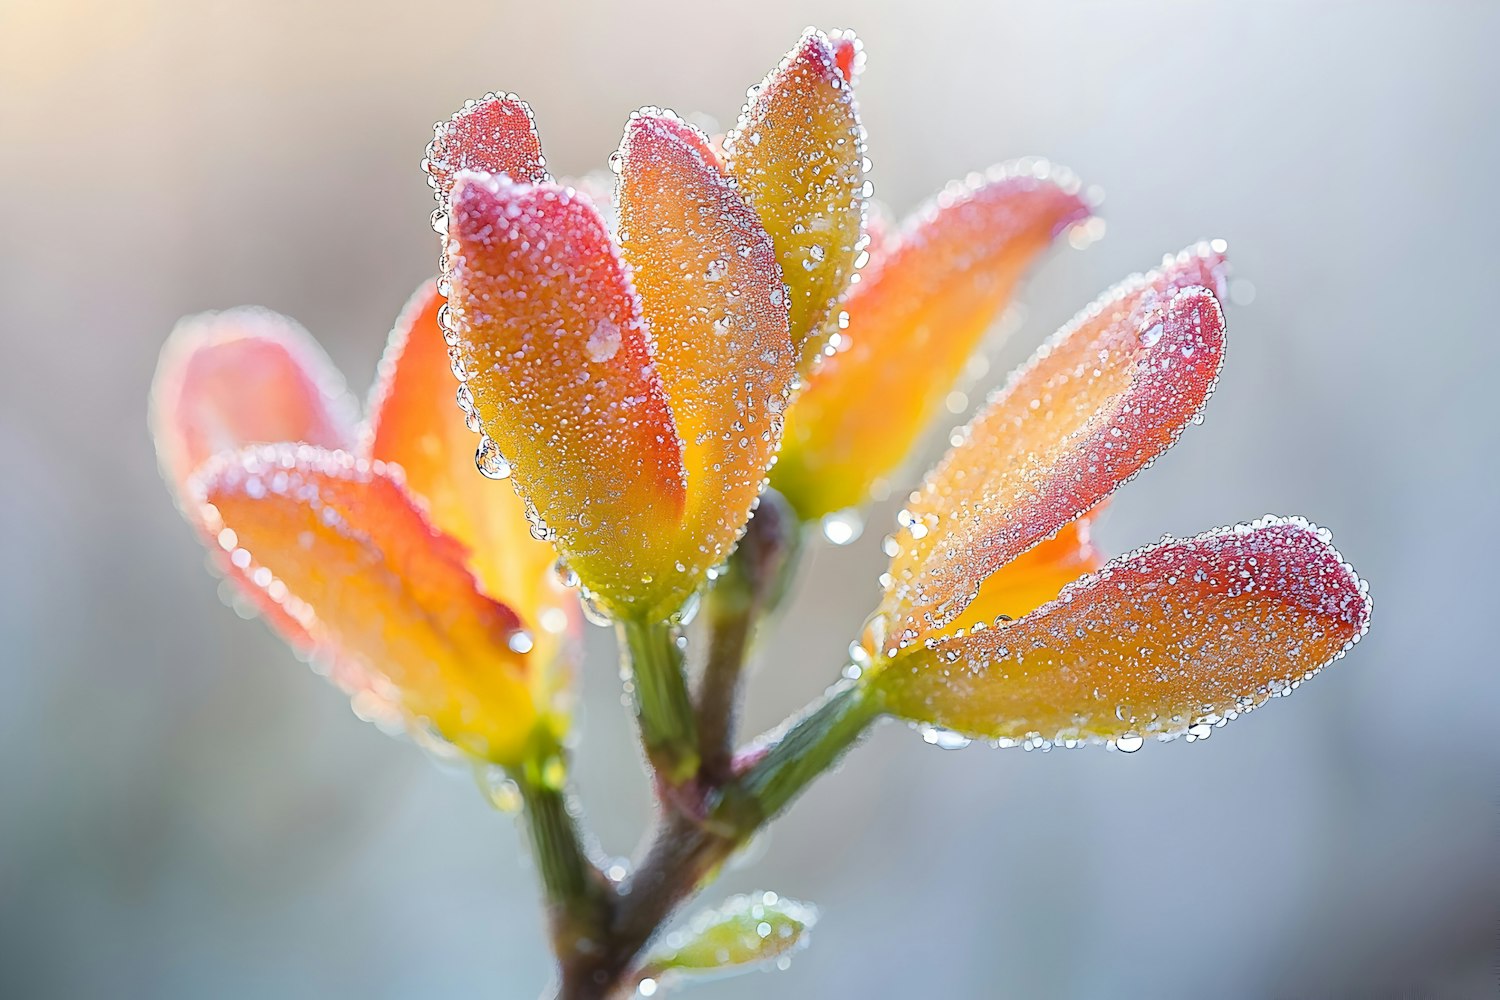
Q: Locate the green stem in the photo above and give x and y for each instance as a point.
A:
(731, 798)
(686, 852)
(577, 894)
(729, 633)
(662, 705)
(805, 748)
(752, 586)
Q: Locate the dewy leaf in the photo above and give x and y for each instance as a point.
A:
(744, 931)
(1037, 575)
(798, 155)
(341, 546)
(551, 343)
(714, 302)
(244, 376)
(1094, 406)
(241, 377)
(415, 423)
(916, 316)
(495, 134)
(1170, 640)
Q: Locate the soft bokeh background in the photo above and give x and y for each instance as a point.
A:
(187, 812)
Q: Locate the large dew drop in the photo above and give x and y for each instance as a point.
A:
(944, 739)
(843, 527)
(489, 461)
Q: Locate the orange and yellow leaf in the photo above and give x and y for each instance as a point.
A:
(1094, 406)
(241, 377)
(798, 156)
(1037, 575)
(714, 302)
(1168, 640)
(557, 357)
(495, 134)
(416, 423)
(916, 316)
(244, 376)
(343, 549)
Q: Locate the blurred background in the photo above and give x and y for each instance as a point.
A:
(185, 811)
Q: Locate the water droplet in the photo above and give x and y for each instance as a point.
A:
(457, 363)
(1129, 743)
(489, 461)
(944, 739)
(843, 527)
(689, 609)
(604, 342)
(592, 611)
(499, 789)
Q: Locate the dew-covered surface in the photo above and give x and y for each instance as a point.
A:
(1167, 641)
(1036, 575)
(848, 53)
(1096, 404)
(240, 377)
(495, 134)
(554, 350)
(663, 345)
(414, 424)
(343, 548)
(245, 399)
(244, 376)
(737, 935)
(923, 302)
(798, 156)
(712, 296)
(191, 813)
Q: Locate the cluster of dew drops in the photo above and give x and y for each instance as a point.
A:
(840, 527)
(491, 461)
(775, 928)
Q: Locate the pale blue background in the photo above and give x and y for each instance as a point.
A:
(186, 812)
